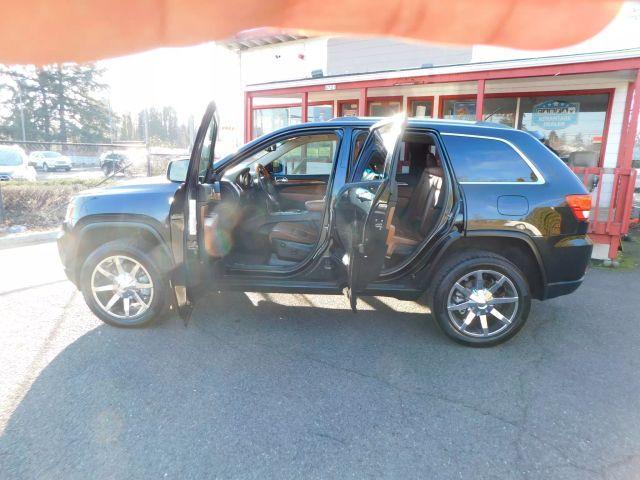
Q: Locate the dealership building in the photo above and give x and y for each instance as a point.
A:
(585, 105)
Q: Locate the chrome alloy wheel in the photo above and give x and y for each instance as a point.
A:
(482, 303)
(122, 287)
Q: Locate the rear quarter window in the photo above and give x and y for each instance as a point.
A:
(484, 159)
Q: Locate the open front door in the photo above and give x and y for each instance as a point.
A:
(364, 207)
(185, 243)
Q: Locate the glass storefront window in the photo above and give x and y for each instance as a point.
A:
(421, 107)
(500, 110)
(267, 120)
(571, 125)
(348, 109)
(319, 113)
(384, 107)
(459, 109)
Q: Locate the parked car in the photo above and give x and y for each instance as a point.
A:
(482, 218)
(114, 162)
(14, 164)
(47, 160)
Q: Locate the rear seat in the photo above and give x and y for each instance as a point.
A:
(408, 231)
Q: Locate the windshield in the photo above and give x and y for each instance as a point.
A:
(51, 154)
(10, 158)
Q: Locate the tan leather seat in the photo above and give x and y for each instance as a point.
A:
(299, 232)
(408, 231)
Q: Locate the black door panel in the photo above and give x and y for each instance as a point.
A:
(364, 208)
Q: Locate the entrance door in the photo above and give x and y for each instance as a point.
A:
(364, 207)
(188, 201)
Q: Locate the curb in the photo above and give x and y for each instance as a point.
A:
(23, 239)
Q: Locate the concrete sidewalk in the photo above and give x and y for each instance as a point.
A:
(13, 240)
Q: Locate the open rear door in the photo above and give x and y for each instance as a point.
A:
(365, 206)
(188, 272)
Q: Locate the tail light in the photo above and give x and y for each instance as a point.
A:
(580, 205)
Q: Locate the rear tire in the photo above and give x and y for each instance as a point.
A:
(142, 291)
(480, 299)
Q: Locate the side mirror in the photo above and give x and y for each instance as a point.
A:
(177, 170)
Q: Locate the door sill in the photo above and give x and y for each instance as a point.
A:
(270, 285)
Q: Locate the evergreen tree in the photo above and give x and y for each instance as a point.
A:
(62, 102)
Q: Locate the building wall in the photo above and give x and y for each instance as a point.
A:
(361, 55)
(283, 61)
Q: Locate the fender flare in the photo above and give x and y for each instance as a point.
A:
(454, 237)
(93, 224)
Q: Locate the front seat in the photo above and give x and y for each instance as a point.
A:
(293, 241)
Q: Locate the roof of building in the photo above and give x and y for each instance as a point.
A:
(259, 37)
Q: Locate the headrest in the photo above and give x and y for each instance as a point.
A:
(436, 172)
(431, 160)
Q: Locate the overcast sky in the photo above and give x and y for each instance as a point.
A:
(180, 77)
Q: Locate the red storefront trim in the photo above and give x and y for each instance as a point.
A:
(518, 72)
(480, 100)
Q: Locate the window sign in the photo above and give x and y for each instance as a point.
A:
(459, 109)
(465, 109)
(555, 114)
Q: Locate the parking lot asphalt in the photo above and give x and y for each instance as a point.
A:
(296, 386)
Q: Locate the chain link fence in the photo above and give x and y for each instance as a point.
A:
(42, 204)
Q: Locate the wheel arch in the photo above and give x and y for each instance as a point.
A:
(98, 232)
(515, 247)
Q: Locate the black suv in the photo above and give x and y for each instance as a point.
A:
(480, 217)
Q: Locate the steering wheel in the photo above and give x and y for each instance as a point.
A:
(268, 185)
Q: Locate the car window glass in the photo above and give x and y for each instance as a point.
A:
(372, 163)
(311, 157)
(205, 153)
(301, 155)
(9, 158)
(486, 160)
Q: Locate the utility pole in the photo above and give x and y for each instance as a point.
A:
(1, 207)
(146, 140)
(24, 135)
(111, 126)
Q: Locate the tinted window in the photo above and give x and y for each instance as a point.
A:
(374, 162)
(9, 158)
(311, 157)
(486, 160)
(303, 155)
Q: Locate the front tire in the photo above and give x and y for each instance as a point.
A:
(480, 299)
(123, 285)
